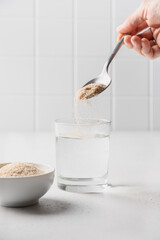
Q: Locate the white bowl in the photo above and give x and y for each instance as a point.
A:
(25, 191)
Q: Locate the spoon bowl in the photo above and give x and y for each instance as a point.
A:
(102, 79)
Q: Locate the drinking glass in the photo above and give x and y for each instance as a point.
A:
(82, 154)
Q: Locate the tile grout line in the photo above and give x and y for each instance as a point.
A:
(110, 47)
(35, 69)
(34, 64)
(111, 70)
(74, 49)
(75, 45)
(112, 7)
(66, 94)
(151, 95)
(66, 56)
(51, 17)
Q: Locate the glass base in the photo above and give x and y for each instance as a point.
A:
(82, 185)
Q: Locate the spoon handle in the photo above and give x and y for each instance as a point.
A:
(118, 46)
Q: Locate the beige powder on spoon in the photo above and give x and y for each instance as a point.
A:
(90, 90)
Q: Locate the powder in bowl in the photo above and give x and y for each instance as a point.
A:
(18, 169)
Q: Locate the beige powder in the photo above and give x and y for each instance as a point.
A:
(89, 91)
(19, 169)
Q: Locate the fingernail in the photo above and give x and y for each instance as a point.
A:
(119, 37)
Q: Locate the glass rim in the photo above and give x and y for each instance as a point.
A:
(82, 121)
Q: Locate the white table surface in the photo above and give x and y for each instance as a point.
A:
(130, 209)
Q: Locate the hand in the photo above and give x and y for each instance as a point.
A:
(148, 43)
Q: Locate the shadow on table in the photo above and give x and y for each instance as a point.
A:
(47, 206)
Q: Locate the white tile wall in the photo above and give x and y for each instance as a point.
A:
(123, 8)
(17, 8)
(131, 113)
(54, 76)
(156, 76)
(93, 9)
(16, 113)
(16, 36)
(156, 94)
(89, 33)
(54, 8)
(131, 77)
(49, 48)
(156, 112)
(51, 108)
(16, 75)
(54, 37)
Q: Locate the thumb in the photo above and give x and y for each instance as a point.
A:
(132, 22)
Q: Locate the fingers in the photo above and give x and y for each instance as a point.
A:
(127, 41)
(148, 34)
(136, 42)
(140, 27)
(145, 47)
(156, 35)
(156, 51)
(133, 42)
(132, 22)
(152, 43)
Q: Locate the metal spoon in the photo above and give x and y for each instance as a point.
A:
(104, 78)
